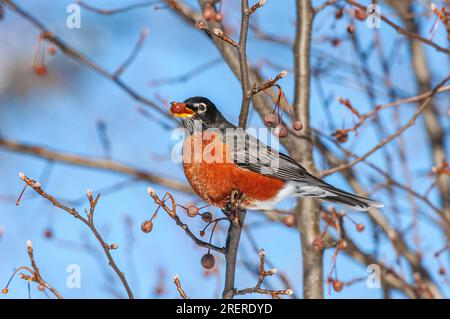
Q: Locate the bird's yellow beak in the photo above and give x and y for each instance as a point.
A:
(179, 109)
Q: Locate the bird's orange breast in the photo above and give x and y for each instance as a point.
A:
(209, 168)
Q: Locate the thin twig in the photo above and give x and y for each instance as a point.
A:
(243, 64)
(118, 10)
(267, 84)
(180, 290)
(98, 163)
(79, 57)
(263, 274)
(133, 54)
(173, 214)
(88, 222)
(410, 123)
(401, 30)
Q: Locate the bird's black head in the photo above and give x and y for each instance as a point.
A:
(198, 108)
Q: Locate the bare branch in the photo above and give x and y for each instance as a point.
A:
(102, 164)
(307, 211)
(79, 57)
(88, 222)
(402, 30)
(177, 283)
(118, 10)
(263, 274)
(267, 84)
(410, 123)
(173, 214)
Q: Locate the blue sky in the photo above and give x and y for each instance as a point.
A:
(61, 110)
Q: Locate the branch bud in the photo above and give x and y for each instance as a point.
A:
(151, 191)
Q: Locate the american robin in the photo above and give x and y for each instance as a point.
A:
(219, 159)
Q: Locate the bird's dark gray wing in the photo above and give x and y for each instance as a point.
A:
(250, 153)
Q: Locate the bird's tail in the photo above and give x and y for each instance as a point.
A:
(352, 201)
(322, 190)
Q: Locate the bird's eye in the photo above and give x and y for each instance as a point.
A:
(201, 107)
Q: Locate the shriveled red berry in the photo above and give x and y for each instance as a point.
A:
(341, 136)
(338, 285)
(202, 233)
(270, 120)
(41, 287)
(442, 271)
(290, 220)
(192, 210)
(5, 291)
(339, 13)
(208, 13)
(360, 14)
(208, 261)
(298, 126)
(351, 28)
(335, 42)
(281, 130)
(207, 217)
(147, 226)
(40, 70)
(360, 227)
(48, 233)
(218, 17)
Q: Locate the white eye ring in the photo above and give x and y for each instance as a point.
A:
(201, 107)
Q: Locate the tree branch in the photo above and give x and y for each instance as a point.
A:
(307, 211)
(89, 222)
(102, 164)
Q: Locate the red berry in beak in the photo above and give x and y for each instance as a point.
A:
(178, 108)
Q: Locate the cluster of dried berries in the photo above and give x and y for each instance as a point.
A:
(274, 118)
(207, 260)
(210, 13)
(41, 49)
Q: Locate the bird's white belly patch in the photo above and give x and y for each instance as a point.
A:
(287, 191)
(291, 189)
